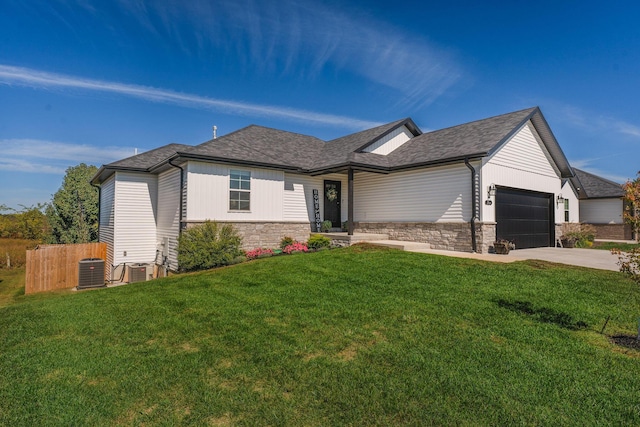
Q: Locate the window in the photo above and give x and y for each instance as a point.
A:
(239, 190)
(566, 210)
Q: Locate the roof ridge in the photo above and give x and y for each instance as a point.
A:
(530, 110)
(598, 177)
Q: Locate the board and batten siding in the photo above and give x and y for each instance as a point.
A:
(521, 163)
(601, 211)
(208, 193)
(390, 142)
(439, 194)
(298, 196)
(135, 218)
(168, 224)
(107, 216)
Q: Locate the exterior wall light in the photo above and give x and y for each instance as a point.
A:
(491, 192)
(559, 200)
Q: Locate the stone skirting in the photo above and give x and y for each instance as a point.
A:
(265, 234)
(451, 236)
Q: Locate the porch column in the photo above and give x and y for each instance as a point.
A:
(350, 202)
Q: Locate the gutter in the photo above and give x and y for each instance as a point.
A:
(474, 245)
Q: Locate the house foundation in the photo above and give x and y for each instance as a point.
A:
(266, 234)
(450, 236)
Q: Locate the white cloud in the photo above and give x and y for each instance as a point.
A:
(304, 36)
(586, 165)
(43, 80)
(51, 157)
(597, 122)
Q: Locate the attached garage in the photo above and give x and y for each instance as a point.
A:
(525, 218)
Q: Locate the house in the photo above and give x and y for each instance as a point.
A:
(457, 189)
(601, 205)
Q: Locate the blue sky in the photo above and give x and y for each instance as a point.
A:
(91, 81)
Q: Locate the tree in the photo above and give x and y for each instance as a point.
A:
(632, 204)
(28, 223)
(73, 211)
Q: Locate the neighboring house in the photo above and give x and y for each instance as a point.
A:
(602, 205)
(458, 188)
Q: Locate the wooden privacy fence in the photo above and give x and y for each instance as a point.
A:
(52, 267)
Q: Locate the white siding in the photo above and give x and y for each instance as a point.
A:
(298, 196)
(574, 204)
(525, 152)
(440, 194)
(520, 163)
(390, 142)
(107, 217)
(168, 226)
(601, 211)
(135, 218)
(208, 194)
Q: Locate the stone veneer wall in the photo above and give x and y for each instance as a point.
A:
(450, 236)
(613, 231)
(266, 234)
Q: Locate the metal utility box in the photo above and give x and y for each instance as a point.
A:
(137, 273)
(90, 273)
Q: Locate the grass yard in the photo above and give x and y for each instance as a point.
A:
(355, 336)
(607, 246)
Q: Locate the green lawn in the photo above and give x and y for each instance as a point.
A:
(346, 337)
(607, 246)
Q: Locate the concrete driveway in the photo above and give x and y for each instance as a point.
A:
(592, 258)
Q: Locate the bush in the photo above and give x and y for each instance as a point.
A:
(326, 226)
(318, 241)
(286, 241)
(207, 246)
(582, 234)
(629, 263)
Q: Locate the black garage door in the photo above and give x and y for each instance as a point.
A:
(525, 218)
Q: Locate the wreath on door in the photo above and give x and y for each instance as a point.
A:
(332, 194)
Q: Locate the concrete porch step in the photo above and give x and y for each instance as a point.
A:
(356, 237)
(402, 245)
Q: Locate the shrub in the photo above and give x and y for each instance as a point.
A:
(207, 246)
(286, 241)
(318, 241)
(296, 247)
(326, 226)
(258, 252)
(582, 234)
(629, 263)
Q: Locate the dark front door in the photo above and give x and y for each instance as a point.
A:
(525, 218)
(332, 203)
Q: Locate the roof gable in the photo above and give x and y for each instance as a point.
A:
(595, 187)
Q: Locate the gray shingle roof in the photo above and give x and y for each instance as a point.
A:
(267, 147)
(262, 145)
(597, 187)
(148, 159)
(470, 139)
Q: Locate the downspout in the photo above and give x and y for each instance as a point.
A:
(474, 207)
(181, 195)
(99, 204)
(350, 202)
